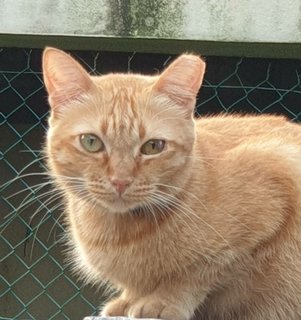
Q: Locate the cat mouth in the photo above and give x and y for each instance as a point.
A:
(113, 203)
(139, 211)
(152, 210)
(124, 207)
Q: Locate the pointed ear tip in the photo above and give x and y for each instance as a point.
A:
(47, 51)
(198, 60)
(51, 50)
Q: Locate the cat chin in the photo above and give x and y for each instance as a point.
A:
(120, 206)
(134, 210)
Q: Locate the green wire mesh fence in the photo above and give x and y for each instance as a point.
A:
(35, 282)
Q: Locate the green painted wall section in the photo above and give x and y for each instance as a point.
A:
(172, 46)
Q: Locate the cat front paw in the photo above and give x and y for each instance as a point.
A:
(156, 308)
(115, 308)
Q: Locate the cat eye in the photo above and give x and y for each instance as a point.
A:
(91, 143)
(153, 147)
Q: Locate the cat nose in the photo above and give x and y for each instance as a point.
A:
(120, 184)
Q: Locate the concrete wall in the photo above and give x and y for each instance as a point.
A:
(217, 20)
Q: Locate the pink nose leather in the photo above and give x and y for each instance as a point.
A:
(120, 185)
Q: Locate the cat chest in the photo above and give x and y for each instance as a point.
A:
(122, 265)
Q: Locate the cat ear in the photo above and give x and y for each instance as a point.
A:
(64, 78)
(181, 81)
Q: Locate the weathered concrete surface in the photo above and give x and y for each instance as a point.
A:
(217, 20)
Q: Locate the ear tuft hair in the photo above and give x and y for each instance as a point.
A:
(182, 79)
(65, 79)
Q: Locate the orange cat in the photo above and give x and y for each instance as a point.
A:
(185, 217)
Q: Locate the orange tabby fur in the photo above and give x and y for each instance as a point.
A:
(220, 235)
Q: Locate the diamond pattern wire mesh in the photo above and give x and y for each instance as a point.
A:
(34, 280)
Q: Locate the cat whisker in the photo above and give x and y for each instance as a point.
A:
(50, 200)
(169, 204)
(56, 221)
(35, 187)
(159, 203)
(29, 200)
(20, 175)
(85, 195)
(32, 150)
(203, 206)
(10, 216)
(185, 210)
(8, 183)
(39, 159)
(69, 178)
(44, 218)
(37, 197)
(151, 209)
(179, 189)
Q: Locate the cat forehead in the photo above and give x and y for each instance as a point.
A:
(121, 106)
(123, 93)
(130, 82)
(116, 122)
(123, 99)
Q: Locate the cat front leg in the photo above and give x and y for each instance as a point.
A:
(169, 301)
(115, 308)
(158, 307)
(119, 306)
(161, 304)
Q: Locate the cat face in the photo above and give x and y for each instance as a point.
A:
(121, 141)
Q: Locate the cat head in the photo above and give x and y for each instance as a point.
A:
(121, 141)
